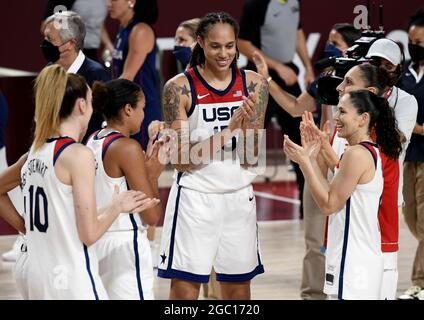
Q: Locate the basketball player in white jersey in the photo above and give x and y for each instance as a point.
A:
(125, 262)
(57, 179)
(404, 105)
(210, 217)
(354, 261)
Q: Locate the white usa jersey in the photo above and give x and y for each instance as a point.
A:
(354, 261)
(59, 265)
(105, 185)
(211, 112)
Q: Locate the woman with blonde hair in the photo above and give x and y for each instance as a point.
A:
(57, 180)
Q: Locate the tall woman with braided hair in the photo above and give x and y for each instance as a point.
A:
(210, 218)
(354, 260)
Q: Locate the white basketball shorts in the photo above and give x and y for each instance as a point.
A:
(202, 230)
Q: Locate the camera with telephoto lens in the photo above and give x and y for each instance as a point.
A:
(355, 55)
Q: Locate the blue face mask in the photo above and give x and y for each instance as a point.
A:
(183, 54)
(331, 51)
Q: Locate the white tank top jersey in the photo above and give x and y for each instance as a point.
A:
(354, 261)
(211, 112)
(105, 185)
(60, 265)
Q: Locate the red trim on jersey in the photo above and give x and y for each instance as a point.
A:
(370, 147)
(108, 141)
(205, 95)
(61, 145)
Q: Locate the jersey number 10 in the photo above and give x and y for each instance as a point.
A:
(36, 200)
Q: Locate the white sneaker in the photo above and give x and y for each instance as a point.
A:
(412, 293)
(12, 254)
(420, 295)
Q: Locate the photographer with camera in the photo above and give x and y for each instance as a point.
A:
(388, 56)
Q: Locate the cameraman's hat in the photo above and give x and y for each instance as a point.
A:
(387, 49)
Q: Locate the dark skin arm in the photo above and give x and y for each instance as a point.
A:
(126, 158)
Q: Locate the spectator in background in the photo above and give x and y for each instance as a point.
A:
(185, 39)
(93, 13)
(273, 28)
(412, 81)
(64, 35)
(342, 36)
(135, 51)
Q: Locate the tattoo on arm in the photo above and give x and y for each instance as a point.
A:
(263, 102)
(252, 87)
(171, 102)
(185, 91)
(251, 150)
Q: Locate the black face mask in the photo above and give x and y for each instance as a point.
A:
(50, 52)
(416, 52)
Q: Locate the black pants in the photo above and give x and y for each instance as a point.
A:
(289, 125)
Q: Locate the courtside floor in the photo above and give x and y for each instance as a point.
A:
(281, 236)
(282, 244)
